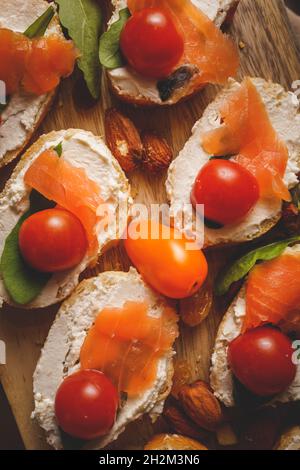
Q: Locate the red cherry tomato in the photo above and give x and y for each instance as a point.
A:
(86, 404)
(52, 240)
(165, 262)
(261, 359)
(151, 42)
(227, 190)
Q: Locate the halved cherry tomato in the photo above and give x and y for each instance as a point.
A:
(86, 404)
(227, 190)
(52, 240)
(151, 42)
(261, 359)
(165, 263)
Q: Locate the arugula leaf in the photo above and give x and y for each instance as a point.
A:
(39, 27)
(109, 50)
(242, 266)
(83, 20)
(58, 149)
(21, 281)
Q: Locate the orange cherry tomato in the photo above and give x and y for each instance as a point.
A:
(166, 264)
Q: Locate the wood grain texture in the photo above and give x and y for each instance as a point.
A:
(269, 52)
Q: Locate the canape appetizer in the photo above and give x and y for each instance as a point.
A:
(240, 163)
(52, 214)
(158, 52)
(106, 362)
(34, 57)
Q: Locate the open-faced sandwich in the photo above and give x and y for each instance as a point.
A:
(158, 52)
(34, 56)
(239, 164)
(53, 213)
(255, 359)
(106, 362)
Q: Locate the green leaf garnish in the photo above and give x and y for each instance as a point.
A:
(83, 20)
(244, 265)
(58, 149)
(22, 282)
(40, 25)
(109, 50)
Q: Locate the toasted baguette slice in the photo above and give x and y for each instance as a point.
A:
(24, 112)
(84, 150)
(60, 354)
(290, 439)
(135, 89)
(221, 377)
(283, 110)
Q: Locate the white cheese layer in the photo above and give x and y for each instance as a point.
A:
(23, 110)
(283, 110)
(83, 150)
(61, 351)
(130, 83)
(221, 378)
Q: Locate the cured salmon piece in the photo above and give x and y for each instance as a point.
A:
(126, 344)
(247, 133)
(69, 187)
(14, 50)
(273, 294)
(36, 65)
(206, 47)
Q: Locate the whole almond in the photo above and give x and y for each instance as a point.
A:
(181, 423)
(123, 139)
(157, 152)
(201, 405)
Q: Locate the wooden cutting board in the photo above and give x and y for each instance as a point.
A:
(267, 49)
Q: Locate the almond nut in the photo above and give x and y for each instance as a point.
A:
(158, 154)
(226, 436)
(173, 442)
(123, 139)
(182, 424)
(201, 405)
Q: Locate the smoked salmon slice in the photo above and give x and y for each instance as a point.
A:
(126, 344)
(206, 47)
(273, 294)
(69, 187)
(36, 65)
(247, 133)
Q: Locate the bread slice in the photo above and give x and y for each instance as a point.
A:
(60, 353)
(221, 378)
(132, 88)
(283, 110)
(84, 150)
(24, 112)
(290, 439)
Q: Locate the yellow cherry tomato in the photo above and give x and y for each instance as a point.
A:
(166, 264)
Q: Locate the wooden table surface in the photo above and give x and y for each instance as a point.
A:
(270, 52)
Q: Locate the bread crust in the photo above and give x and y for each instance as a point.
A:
(289, 440)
